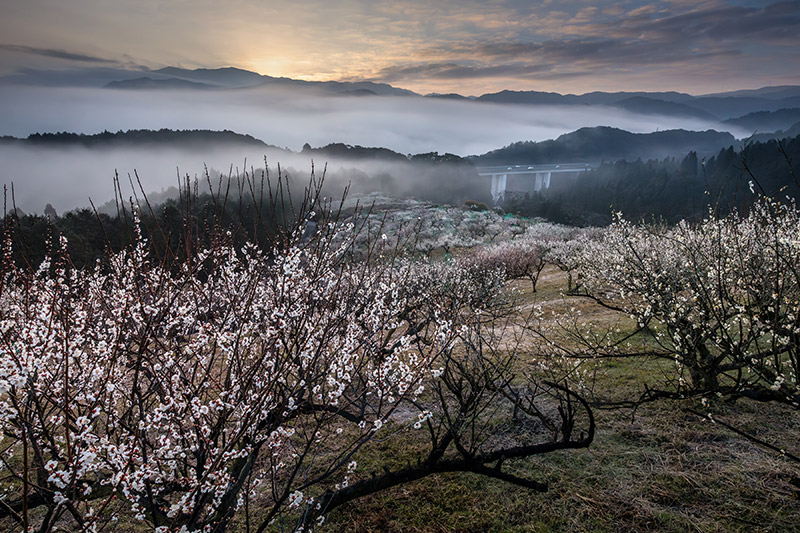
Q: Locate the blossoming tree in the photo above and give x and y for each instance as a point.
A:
(238, 385)
(720, 298)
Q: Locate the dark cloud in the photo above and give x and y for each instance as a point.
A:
(454, 71)
(598, 52)
(655, 38)
(55, 53)
(642, 39)
(551, 60)
(775, 23)
(684, 44)
(569, 49)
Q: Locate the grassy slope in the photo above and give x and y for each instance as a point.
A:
(658, 469)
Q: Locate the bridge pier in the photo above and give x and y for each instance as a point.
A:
(499, 183)
(541, 181)
(519, 180)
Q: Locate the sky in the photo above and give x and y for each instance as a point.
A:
(470, 47)
(57, 55)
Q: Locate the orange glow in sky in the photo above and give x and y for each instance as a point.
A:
(465, 46)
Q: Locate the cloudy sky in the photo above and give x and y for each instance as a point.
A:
(466, 46)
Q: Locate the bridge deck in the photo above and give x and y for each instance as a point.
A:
(519, 180)
(527, 169)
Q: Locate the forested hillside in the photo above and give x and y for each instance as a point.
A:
(671, 189)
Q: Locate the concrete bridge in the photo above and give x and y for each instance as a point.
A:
(519, 180)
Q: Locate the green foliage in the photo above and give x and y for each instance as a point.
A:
(670, 189)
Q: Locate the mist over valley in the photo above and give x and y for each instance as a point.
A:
(399, 265)
(282, 115)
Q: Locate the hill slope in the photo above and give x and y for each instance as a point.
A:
(590, 145)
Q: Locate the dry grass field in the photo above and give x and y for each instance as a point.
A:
(655, 468)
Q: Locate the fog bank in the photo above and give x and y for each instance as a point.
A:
(66, 178)
(404, 124)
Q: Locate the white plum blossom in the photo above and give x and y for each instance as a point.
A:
(178, 390)
(721, 297)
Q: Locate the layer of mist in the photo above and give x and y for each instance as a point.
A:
(66, 178)
(403, 124)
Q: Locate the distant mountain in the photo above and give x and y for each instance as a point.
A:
(777, 92)
(448, 96)
(593, 98)
(229, 77)
(765, 96)
(591, 145)
(527, 97)
(150, 83)
(586, 145)
(600, 98)
(346, 151)
(726, 107)
(236, 78)
(716, 106)
(767, 121)
(359, 92)
(790, 132)
(652, 106)
(381, 89)
(711, 107)
(195, 138)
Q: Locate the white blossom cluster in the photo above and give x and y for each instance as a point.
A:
(426, 227)
(183, 393)
(722, 297)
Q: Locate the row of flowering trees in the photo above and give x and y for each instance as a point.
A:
(542, 244)
(234, 388)
(720, 298)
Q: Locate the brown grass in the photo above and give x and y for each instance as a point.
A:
(655, 469)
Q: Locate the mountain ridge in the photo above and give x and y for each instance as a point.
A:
(585, 145)
(604, 143)
(711, 107)
(235, 77)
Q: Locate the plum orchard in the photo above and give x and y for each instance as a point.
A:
(720, 298)
(235, 389)
(525, 256)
